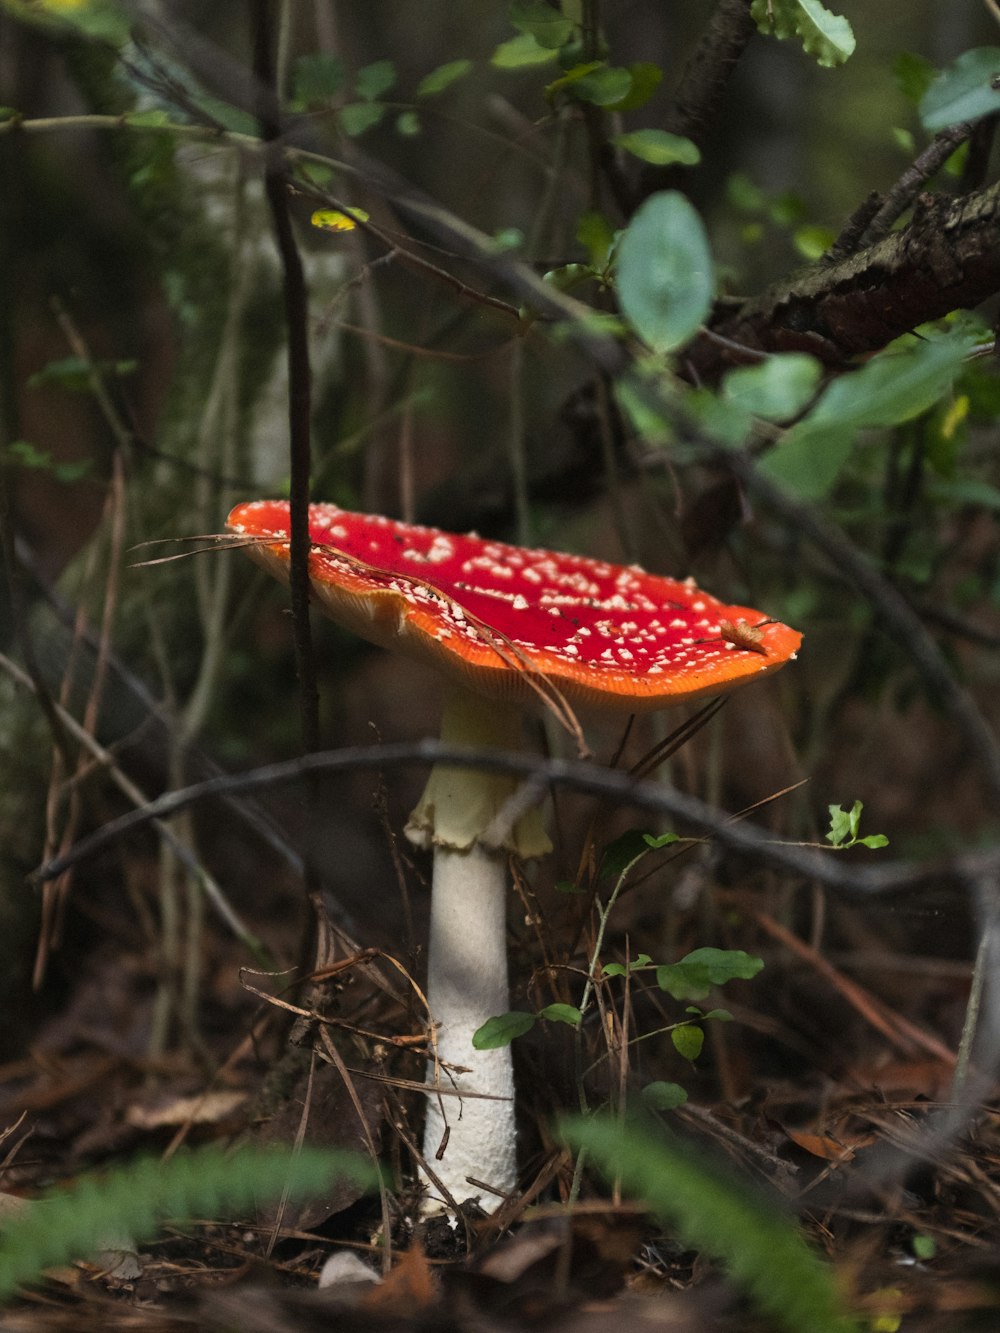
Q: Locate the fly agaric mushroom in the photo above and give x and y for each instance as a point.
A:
(503, 622)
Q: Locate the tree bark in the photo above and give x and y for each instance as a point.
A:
(947, 258)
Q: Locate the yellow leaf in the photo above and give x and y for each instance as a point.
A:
(332, 219)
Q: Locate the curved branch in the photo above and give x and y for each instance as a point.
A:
(946, 259)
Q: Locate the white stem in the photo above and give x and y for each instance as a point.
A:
(466, 985)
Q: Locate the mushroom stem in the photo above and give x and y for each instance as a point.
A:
(467, 963)
(466, 985)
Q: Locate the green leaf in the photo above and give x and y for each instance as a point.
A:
(812, 241)
(913, 75)
(562, 1013)
(656, 841)
(357, 117)
(443, 77)
(375, 79)
(408, 124)
(596, 234)
(545, 25)
(572, 75)
(720, 1015)
(809, 458)
(604, 87)
(622, 853)
(663, 1096)
(74, 373)
(843, 823)
(665, 277)
(713, 1212)
(67, 1224)
(695, 975)
(874, 840)
(659, 147)
(893, 387)
(825, 36)
(316, 78)
(620, 970)
(923, 1246)
(777, 388)
(501, 1030)
(646, 78)
(521, 52)
(963, 91)
(99, 20)
(688, 1041)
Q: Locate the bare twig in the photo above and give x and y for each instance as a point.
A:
(827, 868)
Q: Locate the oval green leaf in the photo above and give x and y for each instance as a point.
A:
(659, 147)
(963, 91)
(665, 277)
(663, 1096)
(502, 1029)
(688, 1041)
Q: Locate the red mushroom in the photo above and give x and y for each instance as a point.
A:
(503, 623)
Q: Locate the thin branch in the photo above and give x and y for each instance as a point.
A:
(703, 84)
(299, 375)
(827, 868)
(911, 182)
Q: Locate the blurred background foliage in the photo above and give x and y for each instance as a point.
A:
(144, 390)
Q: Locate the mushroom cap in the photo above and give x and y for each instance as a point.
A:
(493, 615)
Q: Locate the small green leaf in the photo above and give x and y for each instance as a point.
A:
(665, 275)
(894, 386)
(502, 1029)
(724, 965)
(443, 77)
(572, 75)
(604, 87)
(923, 1246)
(778, 388)
(913, 74)
(357, 117)
(646, 78)
(843, 823)
(375, 79)
(620, 854)
(825, 36)
(659, 147)
(663, 1096)
(699, 971)
(963, 91)
(540, 21)
(408, 124)
(812, 241)
(596, 234)
(810, 457)
(74, 373)
(620, 970)
(656, 841)
(688, 1041)
(332, 219)
(720, 1015)
(315, 79)
(562, 1013)
(521, 52)
(874, 840)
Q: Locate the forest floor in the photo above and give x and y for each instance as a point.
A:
(824, 1091)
